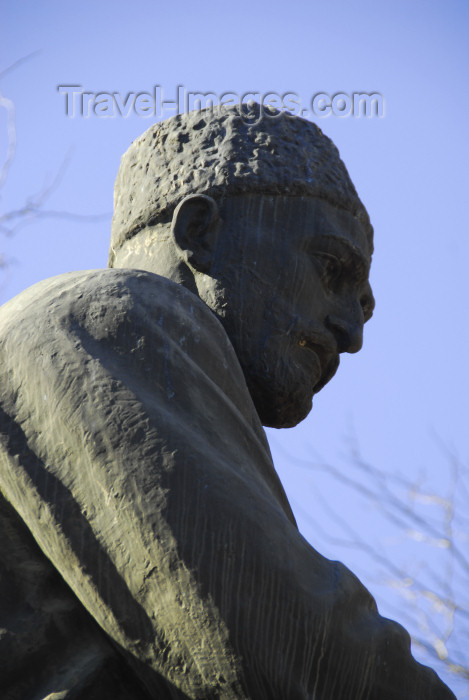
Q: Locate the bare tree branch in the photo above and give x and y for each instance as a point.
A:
(434, 587)
(34, 207)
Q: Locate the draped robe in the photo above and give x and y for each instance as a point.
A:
(148, 549)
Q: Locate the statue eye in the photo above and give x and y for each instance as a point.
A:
(330, 269)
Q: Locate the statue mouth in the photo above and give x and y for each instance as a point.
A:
(327, 357)
(331, 368)
(315, 340)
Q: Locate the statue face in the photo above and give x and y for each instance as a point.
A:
(292, 293)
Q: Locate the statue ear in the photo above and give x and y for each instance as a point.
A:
(195, 228)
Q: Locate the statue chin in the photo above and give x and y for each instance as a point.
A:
(280, 407)
(283, 384)
(282, 419)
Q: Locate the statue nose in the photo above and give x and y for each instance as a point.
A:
(347, 333)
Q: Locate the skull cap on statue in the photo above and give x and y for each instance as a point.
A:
(223, 151)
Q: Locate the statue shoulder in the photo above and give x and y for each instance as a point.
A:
(101, 287)
(110, 303)
(146, 322)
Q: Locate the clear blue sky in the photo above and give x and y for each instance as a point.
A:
(409, 386)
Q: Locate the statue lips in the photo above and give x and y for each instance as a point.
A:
(331, 368)
(326, 357)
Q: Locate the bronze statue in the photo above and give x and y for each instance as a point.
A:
(148, 547)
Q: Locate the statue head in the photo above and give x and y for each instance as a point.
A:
(259, 218)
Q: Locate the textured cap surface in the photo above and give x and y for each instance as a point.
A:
(222, 151)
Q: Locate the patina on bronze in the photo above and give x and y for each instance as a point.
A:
(148, 548)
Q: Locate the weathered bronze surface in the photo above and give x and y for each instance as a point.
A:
(148, 549)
